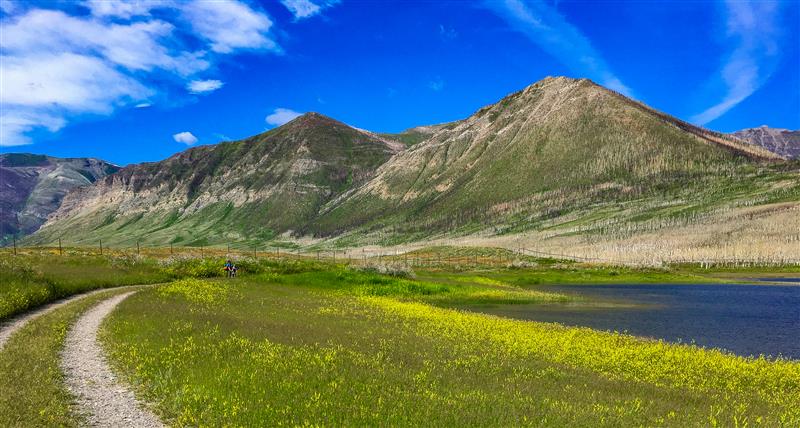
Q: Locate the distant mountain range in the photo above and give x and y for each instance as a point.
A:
(563, 158)
(32, 187)
(783, 142)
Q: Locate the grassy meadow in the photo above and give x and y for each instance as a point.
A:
(32, 390)
(296, 341)
(35, 278)
(354, 348)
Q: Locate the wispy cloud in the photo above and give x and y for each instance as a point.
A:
(185, 137)
(546, 27)
(436, 84)
(279, 116)
(302, 9)
(204, 86)
(447, 33)
(753, 31)
(58, 65)
(122, 8)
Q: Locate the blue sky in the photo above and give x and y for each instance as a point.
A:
(133, 81)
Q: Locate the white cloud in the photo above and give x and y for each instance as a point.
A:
(229, 25)
(436, 84)
(143, 105)
(306, 8)
(204, 86)
(15, 124)
(546, 27)
(8, 6)
(754, 30)
(185, 137)
(57, 67)
(301, 8)
(281, 115)
(66, 82)
(125, 9)
(137, 46)
(447, 33)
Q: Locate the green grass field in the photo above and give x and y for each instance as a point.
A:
(32, 391)
(37, 278)
(302, 348)
(301, 342)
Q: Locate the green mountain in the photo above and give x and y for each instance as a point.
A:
(558, 145)
(246, 190)
(32, 187)
(416, 135)
(565, 159)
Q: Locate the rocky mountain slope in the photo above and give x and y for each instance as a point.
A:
(783, 142)
(250, 189)
(546, 150)
(33, 186)
(563, 158)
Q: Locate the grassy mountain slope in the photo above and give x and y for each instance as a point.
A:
(34, 185)
(250, 189)
(564, 165)
(557, 147)
(417, 134)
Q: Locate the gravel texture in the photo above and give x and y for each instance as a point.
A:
(100, 397)
(7, 329)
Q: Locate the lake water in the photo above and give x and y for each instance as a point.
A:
(743, 319)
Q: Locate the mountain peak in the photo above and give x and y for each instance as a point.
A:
(313, 118)
(783, 142)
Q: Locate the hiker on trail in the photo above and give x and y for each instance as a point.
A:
(228, 268)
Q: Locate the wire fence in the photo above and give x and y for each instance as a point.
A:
(421, 257)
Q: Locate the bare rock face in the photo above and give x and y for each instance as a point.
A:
(33, 186)
(782, 142)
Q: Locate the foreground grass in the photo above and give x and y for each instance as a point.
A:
(34, 279)
(288, 350)
(32, 391)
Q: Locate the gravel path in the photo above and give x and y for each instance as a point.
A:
(7, 329)
(103, 401)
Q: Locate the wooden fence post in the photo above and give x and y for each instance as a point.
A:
(15, 245)
(137, 247)
(101, 247)
(60, 250)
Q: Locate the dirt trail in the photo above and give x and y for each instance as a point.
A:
(103, 400)
(7, 329)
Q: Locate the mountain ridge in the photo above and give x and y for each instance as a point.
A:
(784, 142)
(33, 187)
(282, 174)
(557, 149)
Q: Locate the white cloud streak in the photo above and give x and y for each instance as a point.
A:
(546, 27)
(204, 86)
(436, 84)
(279, 116)
(302, 9)
(185, 137)
(57, 67)
(753, 29)
(125, 9)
